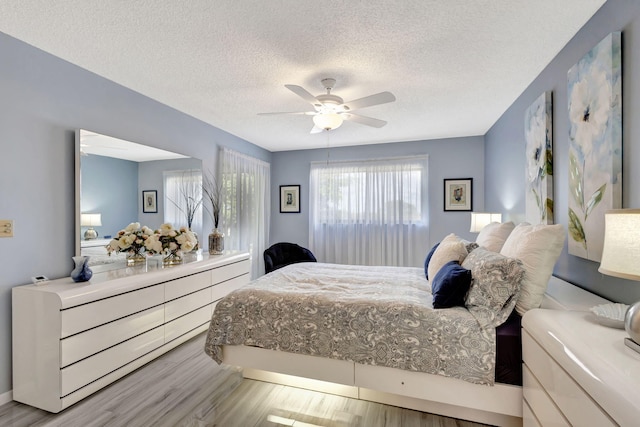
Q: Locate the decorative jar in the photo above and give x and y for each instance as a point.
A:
(216, 242)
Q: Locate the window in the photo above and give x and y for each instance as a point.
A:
(370, 212)
(183, 199)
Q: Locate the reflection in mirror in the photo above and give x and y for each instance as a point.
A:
(111, 177)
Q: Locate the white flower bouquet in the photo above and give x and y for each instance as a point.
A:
(131, 240)
(170, 241)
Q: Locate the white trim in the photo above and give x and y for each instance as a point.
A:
(6, 397)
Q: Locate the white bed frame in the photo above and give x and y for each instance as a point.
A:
(498, 405)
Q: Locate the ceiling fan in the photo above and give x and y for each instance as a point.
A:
(331, 110)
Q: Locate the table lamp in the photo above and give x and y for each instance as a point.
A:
(90, 220)
(480, 219)
(621, 258)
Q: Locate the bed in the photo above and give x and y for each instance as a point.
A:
(371, 333)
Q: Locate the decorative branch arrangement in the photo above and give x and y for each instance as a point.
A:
(212, 190)
(191, 196)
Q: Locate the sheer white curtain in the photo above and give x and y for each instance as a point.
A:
(182, 198)
(372, 212)
(246, 209)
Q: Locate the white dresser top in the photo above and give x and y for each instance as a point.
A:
(594, 355)
(117, 281)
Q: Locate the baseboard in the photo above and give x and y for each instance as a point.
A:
(6, 397)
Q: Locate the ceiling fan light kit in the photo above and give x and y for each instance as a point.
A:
(331, 110)
(327, 121)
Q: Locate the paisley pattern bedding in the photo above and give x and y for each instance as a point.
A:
(369, 315)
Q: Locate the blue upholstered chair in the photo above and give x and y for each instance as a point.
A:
(283, 253)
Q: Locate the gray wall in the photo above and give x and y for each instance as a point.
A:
(448, 158)
(505, 147)
(43, 100)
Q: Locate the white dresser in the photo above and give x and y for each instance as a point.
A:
(71, 339)
(577, 372)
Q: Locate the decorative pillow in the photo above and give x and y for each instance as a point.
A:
(493, 235)
(450, 285)
(428, 259)
(450, 249)
(538, 247)
(470, 245)
(495, 286)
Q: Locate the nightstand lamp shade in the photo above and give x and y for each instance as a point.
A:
(480, 219)
(90, 220)
(621, 258)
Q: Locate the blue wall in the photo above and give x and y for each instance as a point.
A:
(448, 158)
(505, 147)
(43, 100)
(107, 189)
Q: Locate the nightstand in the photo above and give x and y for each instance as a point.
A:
(577, 372)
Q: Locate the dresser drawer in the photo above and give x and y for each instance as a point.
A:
(184, 305)
(82, 373)
(222, 289)
(87, 316)
(230, 271)
(186, 323)
(577, 406)
(85, 344)
(186, 285)
(546, 412)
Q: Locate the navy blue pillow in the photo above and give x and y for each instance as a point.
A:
(428, 258)
(450, 285)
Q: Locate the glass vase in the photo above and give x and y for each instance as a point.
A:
(81, 272)
(135, 258)
(172, 259)
(216, 242)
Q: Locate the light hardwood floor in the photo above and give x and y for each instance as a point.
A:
(185, 387)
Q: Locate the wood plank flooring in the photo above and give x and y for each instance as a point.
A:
(185, 387)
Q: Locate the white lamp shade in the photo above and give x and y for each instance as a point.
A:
(91, 220)
(480, 219)
(621, 251)
(327, 121)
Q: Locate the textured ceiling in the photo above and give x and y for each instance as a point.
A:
(454, 65)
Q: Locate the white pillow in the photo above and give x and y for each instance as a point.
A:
(451, 248)
(538, 247)
(492, 236)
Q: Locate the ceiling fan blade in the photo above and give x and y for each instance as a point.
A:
(304, 94)
(364, 120)
(369, 101)
(305, 113)
(316, 129)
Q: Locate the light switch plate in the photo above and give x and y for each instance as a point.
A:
(6, 228)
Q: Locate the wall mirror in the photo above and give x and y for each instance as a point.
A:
(119, 182)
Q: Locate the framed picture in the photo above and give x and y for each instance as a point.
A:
(458, 194)
(149, 201)
(289, 199)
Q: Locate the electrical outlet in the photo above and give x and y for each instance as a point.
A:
(6, 228)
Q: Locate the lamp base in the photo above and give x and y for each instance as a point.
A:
(90, 234)
(632, 344)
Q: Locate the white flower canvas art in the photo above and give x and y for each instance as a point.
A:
(538, 137)
(595, 145)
